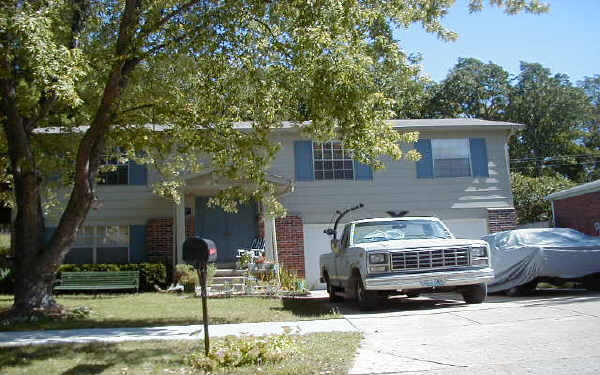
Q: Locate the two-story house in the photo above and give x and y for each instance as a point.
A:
(463, 178)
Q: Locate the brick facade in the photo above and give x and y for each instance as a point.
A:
(500, 219)
(159, 236)
(290, 243)
(580, 213)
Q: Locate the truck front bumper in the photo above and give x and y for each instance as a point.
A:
(403, 281)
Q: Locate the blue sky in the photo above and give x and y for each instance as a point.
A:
(566, 40)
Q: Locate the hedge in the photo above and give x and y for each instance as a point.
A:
(150, 273)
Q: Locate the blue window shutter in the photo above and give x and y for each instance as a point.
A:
(138, 174)
(303, 160)
(362, 171)
(137, 243)
(425, 165)
(479, 158)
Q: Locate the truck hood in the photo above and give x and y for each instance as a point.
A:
(419, 243)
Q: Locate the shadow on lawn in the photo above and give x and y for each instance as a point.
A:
(317, 308)
(93, 358)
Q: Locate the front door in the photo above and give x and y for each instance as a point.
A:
(229, 231)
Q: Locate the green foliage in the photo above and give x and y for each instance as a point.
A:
(529, 196)
(245, 259)
(150, 273)
(186, 274)
(233, 352)
(472, 89)
(290, 280)
(553, 111)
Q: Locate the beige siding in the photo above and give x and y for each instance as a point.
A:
(397, 188)
(128, 205)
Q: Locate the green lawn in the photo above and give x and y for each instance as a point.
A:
(321, 353)
(155, 309)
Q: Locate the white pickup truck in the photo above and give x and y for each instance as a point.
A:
(379, 257)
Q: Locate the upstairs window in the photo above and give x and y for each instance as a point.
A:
(451, 157)
(332, 161)
(119, 176)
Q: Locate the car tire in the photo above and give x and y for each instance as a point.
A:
(412, 295)
(522, 290)
(365, 299)
(592, 283)
(475, 293)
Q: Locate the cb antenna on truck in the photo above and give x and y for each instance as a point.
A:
(333, 231)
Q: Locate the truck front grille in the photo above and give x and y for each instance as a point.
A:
(419, 259)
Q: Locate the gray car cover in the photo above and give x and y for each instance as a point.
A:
(519, 256)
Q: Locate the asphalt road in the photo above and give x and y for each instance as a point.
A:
(551, 332)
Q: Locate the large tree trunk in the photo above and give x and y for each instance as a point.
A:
(36, 260)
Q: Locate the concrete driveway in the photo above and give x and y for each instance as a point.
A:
(551, 332)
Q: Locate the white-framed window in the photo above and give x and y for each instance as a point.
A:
(332, 161)
(451, 157)
(119, 176)
(100, 244)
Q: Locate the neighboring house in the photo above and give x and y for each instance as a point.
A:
(578, 208)
(462, 178)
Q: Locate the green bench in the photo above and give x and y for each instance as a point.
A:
(98, 280)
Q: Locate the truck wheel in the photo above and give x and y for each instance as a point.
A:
(333, 297)
(366, 300)
(522, 290)
(475, 293)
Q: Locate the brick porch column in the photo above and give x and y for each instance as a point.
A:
(290, 243)
(501, 219)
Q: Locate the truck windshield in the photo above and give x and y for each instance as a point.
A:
(376, 231)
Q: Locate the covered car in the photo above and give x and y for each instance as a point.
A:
(521, 258)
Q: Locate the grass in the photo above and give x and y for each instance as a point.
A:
(156, 309)
(319, 353)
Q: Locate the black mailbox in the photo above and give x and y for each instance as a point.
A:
(199, 251)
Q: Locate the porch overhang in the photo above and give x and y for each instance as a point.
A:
(209, 183)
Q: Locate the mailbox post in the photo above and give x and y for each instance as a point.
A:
(199, 252)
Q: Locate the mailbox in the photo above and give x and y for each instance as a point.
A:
(199, 251)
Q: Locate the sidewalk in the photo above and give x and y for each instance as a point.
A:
(192, 332)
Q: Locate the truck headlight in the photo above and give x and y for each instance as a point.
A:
(479, 252)
(378, 258)
(479, 256)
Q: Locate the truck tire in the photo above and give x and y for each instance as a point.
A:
(333, 297)
(475, 293)
(412, 294)
(366, 300)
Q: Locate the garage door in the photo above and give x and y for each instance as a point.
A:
(315, 243)
(467, 228)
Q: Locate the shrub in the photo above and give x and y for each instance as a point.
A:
(530, 196)
(150, 273)
(290, 281)
(233, 352)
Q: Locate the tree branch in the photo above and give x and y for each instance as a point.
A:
(145, 31)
